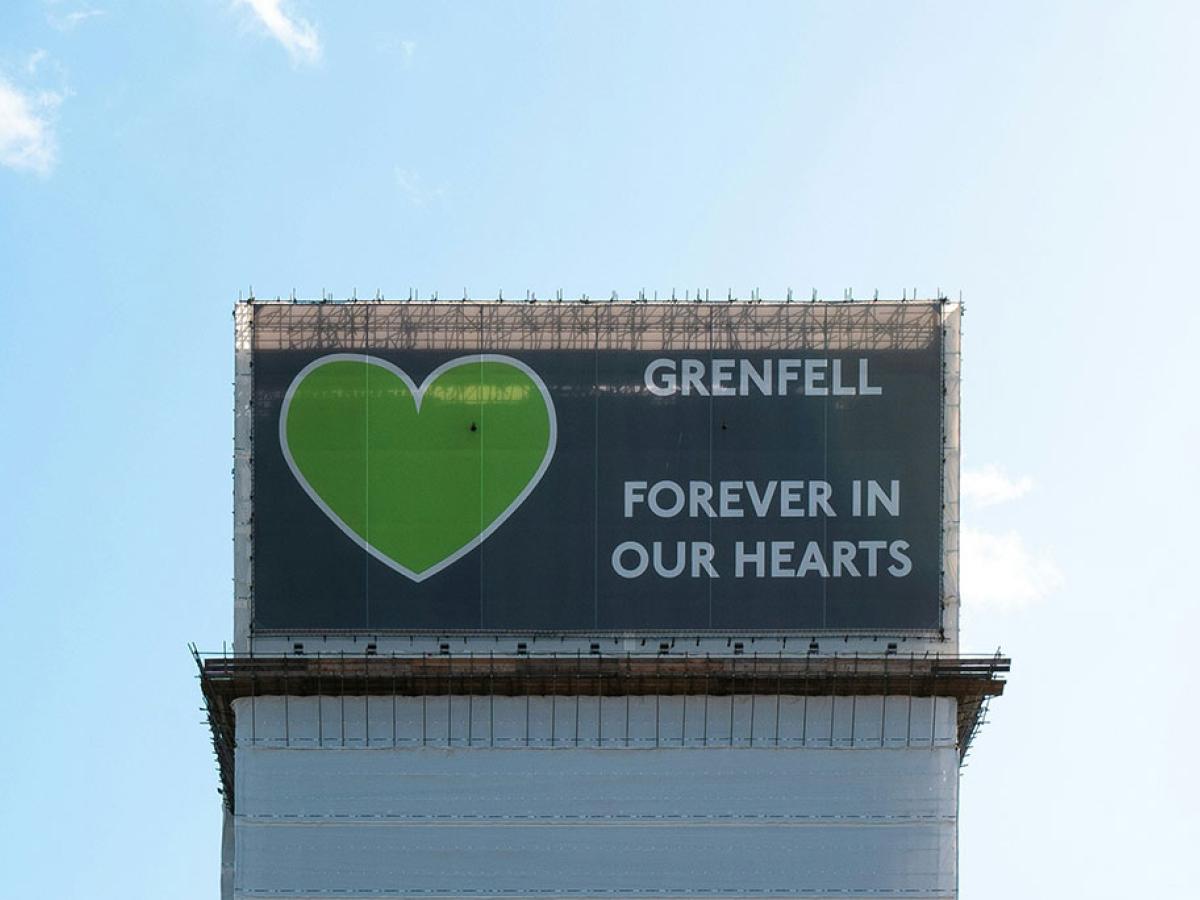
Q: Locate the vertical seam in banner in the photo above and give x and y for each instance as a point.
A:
(708, 581)
(366, 556)
(825, 475)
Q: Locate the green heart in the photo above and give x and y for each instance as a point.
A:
(417, 476)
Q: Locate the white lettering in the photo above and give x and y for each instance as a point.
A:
(700, 497)
(790, 499)
(843, 558)
(749, 373)
(729, 377)
(787, 374)
(693, 377)
(680, 560)
(666, 487)
(865, 389)
(781, 556)
(730, 500)
(741, 557)
(812, 561)
(872, 548)
(638, 550)
(635, 492)
(667, 384)
(819, 493)
(876, 497)
(814, 370)
(903, 564)
(702, 554)
(760, 502)
(839, 389)
(722, 375)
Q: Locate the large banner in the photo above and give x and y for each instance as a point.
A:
(569, 471)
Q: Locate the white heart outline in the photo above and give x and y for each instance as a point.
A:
(418, 393)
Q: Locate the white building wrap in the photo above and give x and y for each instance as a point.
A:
(861, 804)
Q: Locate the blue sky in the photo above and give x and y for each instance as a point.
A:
(158, 158)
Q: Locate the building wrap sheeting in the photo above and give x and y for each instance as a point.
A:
(728, 821)
(759, 721)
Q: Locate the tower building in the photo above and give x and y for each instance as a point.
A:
(630, 598)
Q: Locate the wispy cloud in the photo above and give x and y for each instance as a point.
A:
(394, 45)
(1000, 569)
(412, 186)
(1002, 572)
(27, 141)
(69, 19)
(990, 485)
(298, 36)
(35, 59)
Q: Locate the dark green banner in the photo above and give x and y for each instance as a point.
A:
(573, 488)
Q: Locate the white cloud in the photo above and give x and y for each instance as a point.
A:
(990, 485)
(412, 186)
(1001, 572)
(66, 21)
(36, 58)
(394, 45)
(298, 36)
(27, 141)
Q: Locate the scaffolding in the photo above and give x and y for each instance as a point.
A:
(619, 325)
(800, 681)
